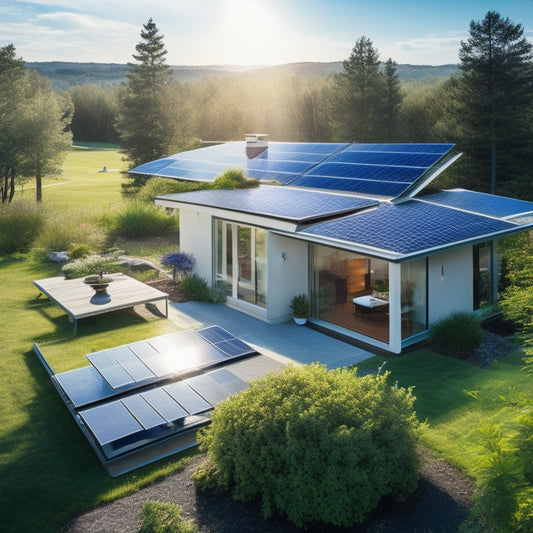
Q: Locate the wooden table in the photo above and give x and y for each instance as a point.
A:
(79, 300)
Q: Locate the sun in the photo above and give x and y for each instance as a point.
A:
(251, 32)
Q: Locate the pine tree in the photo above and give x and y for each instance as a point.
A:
(367, 96)
(495, 94)
(150, 119)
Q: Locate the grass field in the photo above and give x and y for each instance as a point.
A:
(48, 470)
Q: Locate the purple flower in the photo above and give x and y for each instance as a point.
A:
(181, 263)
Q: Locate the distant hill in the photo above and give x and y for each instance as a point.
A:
(65, 74)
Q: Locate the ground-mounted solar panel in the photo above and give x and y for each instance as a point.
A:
(150, 357)
(145, 414)
(83, 386)
(164, 404)
(189, 399)
(131, 364)
(208, 388)
(424, 227)
(110, 421)
(228, 381)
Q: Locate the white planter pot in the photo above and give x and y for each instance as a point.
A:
(299, 321)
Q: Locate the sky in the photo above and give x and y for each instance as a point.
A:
(248, 32)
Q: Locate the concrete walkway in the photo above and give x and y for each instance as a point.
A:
(285, 342)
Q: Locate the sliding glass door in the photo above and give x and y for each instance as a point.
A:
(240, 261)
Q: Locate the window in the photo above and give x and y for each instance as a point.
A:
(240, 261)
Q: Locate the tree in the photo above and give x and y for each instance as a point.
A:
(494, 95)
(151, 118)
(392, 99)
(34, 135)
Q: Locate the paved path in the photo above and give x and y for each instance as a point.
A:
(284, 342)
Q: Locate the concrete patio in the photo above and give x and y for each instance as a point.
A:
(284, 343)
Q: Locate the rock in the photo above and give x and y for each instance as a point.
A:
(58, 257)
(136, 263)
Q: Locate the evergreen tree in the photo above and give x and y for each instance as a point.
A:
(367, 96)
(150, 119)
(494, 97)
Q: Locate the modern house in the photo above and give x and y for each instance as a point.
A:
(353, 226)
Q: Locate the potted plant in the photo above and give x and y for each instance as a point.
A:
(299, 305)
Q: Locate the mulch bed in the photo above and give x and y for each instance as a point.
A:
(439, 505)
(175, 294)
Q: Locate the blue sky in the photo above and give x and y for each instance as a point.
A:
(251, 32)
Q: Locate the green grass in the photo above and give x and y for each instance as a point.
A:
(457, 398)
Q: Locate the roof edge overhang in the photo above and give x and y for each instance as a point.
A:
(430, 175)
(398, 257)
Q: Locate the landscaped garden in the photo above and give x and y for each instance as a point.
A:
(47, 468)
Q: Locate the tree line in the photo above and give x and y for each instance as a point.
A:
(486, 109)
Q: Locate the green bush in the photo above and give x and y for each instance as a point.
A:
(137, 219)
(335, 443)
(299, 305)
(160, 186)
(197, 288)
(90, 265)
(234, 179)
(20, 225)
(160, 517)
(458, 333)
(79, 251)
(64, 230)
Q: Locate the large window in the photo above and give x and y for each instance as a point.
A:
(414, 297)
(240, 261)
(351, 291)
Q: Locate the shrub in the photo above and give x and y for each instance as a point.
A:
(90, 265)
(160, 517)
(65, 229)
(160, 186)
(137, 219)
(458, 333)
(197, 288)
(20, 225)
(181, 263)
(234, 179)
(335, 443)
(79, 251)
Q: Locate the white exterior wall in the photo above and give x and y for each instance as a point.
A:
(196, 232)
(286, 276)
(450, 283)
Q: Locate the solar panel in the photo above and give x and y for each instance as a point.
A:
(110, 422)
(147, 416)
(477, 202)
(423, 226)
(188, 398)
(282, 203)
(164, 404)
(83, 386)
(208, 388)
(215, 334)
(228, 381)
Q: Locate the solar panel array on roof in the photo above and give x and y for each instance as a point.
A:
(375, 169)
(408, 229)
(477, 202)
(277, 202)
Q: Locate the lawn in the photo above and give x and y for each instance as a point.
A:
(49, 472)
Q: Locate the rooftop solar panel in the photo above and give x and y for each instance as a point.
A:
(360, 186)
(294, 205)
(424, 227)
(477, 202)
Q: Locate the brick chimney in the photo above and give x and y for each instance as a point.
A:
(256, 144)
